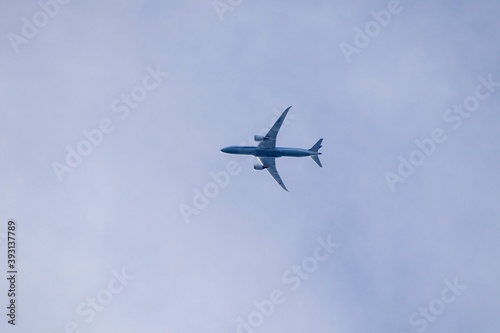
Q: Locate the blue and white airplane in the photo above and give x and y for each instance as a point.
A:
(267, 152)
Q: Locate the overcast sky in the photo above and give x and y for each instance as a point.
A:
(130, 219)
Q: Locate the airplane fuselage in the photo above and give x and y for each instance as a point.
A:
(276, 152)
(267, 152)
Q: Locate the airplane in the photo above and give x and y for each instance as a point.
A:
(267, 152)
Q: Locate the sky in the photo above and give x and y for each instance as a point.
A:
(128, 218)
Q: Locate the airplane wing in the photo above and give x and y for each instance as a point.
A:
(269, 141)
(270, 164)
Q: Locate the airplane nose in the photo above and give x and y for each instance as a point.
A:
(224, 150)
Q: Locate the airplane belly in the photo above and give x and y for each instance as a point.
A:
(292, 152)
(268, 153)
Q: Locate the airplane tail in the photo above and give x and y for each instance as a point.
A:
(315, 148)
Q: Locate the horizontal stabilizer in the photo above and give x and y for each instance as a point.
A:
(316, 159)
(315, 148)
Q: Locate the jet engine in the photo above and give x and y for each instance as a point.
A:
(258, 167)
(258, 138)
